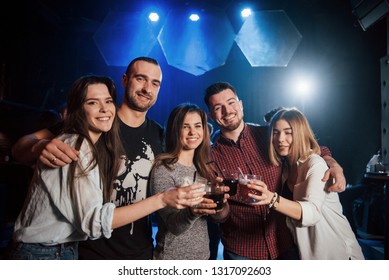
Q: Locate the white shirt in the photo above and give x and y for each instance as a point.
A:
(49, 215)
(324, 232)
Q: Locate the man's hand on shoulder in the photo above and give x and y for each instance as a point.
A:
(335, 171)
(41, 145)
(56, 154)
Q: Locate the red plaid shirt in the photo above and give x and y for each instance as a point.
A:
(252, 232)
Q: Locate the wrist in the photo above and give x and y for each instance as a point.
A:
(274, 201)
(38, 146)
(331, 162)
(222, 214)
(162, 199)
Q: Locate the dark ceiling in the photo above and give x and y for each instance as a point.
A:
(52, 40)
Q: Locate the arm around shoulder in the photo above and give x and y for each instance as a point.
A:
(335, 171)
(28, 148)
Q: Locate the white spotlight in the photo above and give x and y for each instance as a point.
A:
(303, 86)
(246, 12)
(153, 17)
(194, 17)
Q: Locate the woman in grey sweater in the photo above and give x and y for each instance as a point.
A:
(183, 234)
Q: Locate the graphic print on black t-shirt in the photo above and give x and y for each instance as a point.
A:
(131, 184)
(141, 145)
(133, 241)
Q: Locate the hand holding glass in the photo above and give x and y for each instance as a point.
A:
(243, 190)
(186, 181)
(214, 192)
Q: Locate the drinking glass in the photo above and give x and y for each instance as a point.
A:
(243, 190)
(231, 180)
(189, 180)
(214, 192)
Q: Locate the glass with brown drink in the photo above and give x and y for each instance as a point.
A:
(214, 192)
(231, 179)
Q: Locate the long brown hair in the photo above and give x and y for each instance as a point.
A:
(108, 149)
(173, 143)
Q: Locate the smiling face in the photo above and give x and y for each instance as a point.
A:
(282, 137)
(142, 84)
(192, 131)
(226, 110)
(99, 110)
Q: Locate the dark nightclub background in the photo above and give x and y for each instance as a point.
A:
(47, 44)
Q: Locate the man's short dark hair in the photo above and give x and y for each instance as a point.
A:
(216, 88)
(267, 117)
(141, 58)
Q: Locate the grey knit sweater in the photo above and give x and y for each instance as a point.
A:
(180, 236)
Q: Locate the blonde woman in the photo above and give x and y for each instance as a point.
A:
(314, 216)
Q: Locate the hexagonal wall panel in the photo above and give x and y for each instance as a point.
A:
(196, 47)
(124, 36)
(268, 38)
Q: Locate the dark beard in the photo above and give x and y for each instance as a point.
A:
(234, 126)
(134, 106)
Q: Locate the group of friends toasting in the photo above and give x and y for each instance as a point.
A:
(102, 172)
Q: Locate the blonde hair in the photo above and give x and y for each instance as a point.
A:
(304, 142)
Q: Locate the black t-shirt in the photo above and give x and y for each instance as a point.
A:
(133, 241)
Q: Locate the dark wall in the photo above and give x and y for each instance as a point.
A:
(54, 46)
